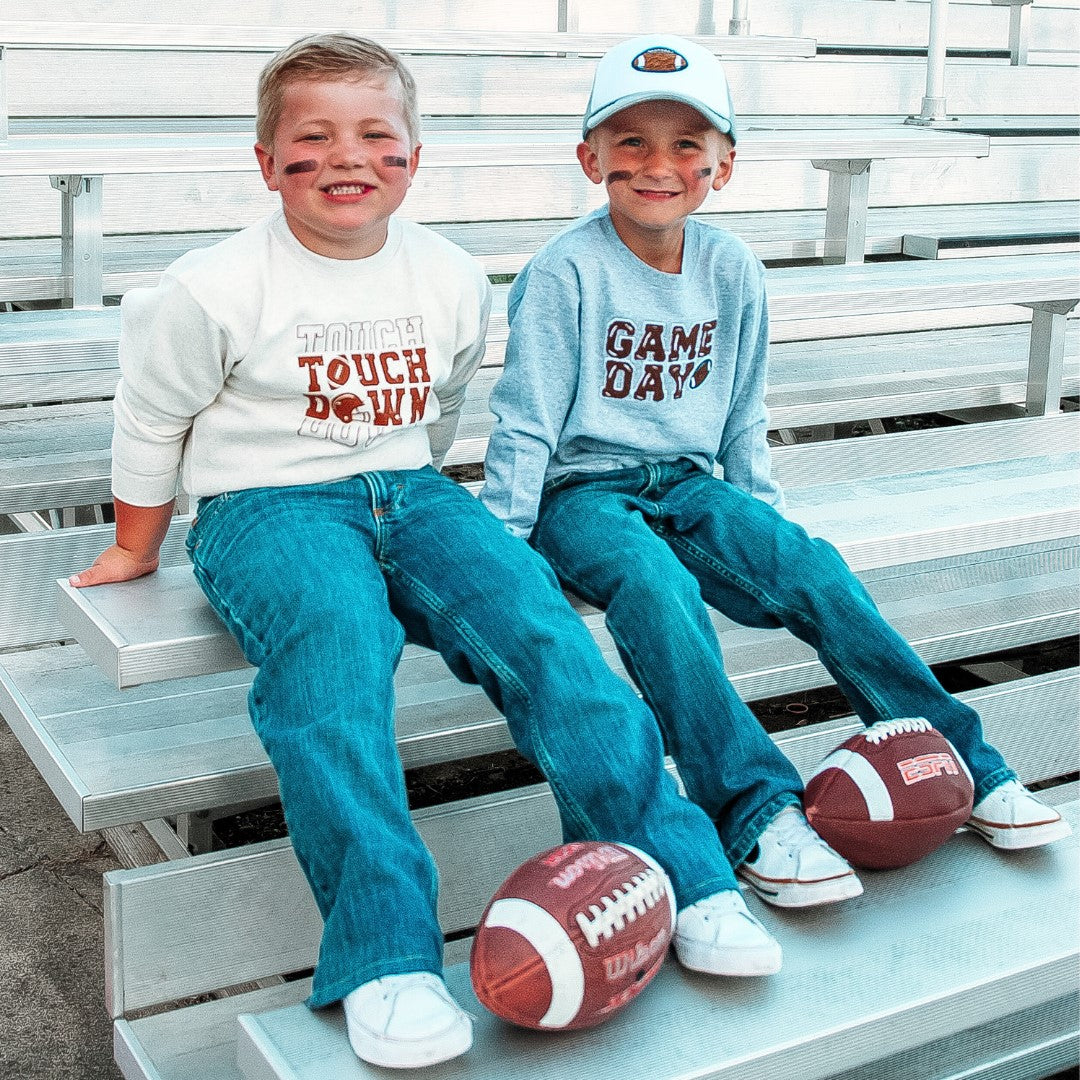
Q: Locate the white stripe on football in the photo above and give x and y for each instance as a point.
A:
(553, 945)
(879, 804)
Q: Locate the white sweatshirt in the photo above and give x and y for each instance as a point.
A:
(257, 363)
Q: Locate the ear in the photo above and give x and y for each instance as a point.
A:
(724, 168)
(590, 166)
(265, 158)
(414, 161)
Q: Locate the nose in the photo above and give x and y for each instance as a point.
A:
(657, 165)
(348, 152)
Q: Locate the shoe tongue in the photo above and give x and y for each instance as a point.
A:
(794, 826)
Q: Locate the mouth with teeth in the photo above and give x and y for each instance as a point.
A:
(345, 191)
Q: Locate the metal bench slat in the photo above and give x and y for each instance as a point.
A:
(200, 1042)
(795, 293)
(47, 155)
(113, 37)
(156, 958)
(216, 85)
(60, 456)
(977, 896)
(30, 268)
(771, 1032)
(870, 510)
(959, 247)
(183, 745)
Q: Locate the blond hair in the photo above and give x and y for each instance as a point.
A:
(330, 57)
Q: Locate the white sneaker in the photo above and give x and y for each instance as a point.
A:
(405, 1021)
(718, 935)
(791, 866)
(1010, 817)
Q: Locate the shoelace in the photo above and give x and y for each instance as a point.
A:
(791, 828)
(884, 728)
(722, 904)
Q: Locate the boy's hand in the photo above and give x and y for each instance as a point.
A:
(139, 533)
(115, 564)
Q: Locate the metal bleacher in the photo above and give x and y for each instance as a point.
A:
(131, 699)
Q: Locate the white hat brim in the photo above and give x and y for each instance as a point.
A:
(721, 123)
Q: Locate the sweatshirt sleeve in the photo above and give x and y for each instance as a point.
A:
(533, 396)
(172, 365)
(744, 448)
(474, 316)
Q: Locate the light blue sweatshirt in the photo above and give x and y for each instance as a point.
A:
(612, 364)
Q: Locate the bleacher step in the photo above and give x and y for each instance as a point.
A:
(118, 756)
(59, 455)
(962, 939)
(160, 1046)
(966, 246)
(885, 503)
(28, 340)
(30, 268)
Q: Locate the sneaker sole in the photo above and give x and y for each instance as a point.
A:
(1019, 837)
(402, 1055)
(796, 894)
(708, 959)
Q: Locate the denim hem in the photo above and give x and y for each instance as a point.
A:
(993, 782)
(744, 844)
(708, 887)
(322, 996)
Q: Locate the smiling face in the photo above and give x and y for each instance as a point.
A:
(659, 160)
(342, 160)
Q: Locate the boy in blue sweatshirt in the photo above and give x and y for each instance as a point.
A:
(636, 362)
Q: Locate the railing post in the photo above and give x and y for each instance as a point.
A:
(740, 17)
(933, 102)
(1019, 21)
(81, 238)
(3, 98)
(706, 22)
(568, 16)
(1046, 355)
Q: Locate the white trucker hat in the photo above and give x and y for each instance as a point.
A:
(660, 67)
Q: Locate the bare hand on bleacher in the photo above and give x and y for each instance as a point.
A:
(140, 531)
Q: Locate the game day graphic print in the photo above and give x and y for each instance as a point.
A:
(651, 361)
(362, 379)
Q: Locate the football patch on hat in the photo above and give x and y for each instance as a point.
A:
(659, 60)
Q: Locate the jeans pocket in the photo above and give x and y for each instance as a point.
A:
(205, 511)
(564, 481)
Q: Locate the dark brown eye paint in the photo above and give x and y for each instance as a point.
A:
(392, 162)
(300, 166)
(617, 175)
(704, 172)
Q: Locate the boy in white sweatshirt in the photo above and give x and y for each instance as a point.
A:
(302, 378)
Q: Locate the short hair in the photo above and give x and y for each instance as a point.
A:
(330, 56)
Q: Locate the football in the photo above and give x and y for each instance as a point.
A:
(890, 795)
(572, 935)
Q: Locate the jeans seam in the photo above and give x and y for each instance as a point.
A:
(434, 604)
(224, 609)
(694, 552)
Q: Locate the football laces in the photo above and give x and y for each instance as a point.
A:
(883, 729)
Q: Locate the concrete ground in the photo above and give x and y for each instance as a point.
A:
(52, 1000)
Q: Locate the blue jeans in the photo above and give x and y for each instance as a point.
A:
(321, 586)
(651, 546)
